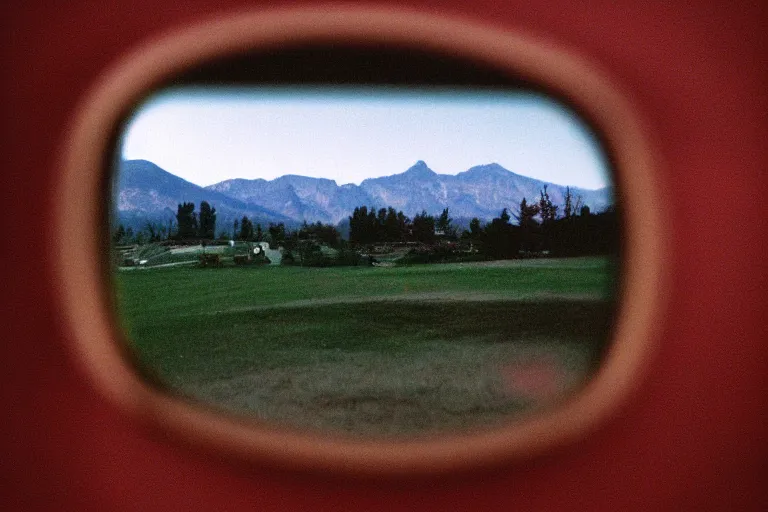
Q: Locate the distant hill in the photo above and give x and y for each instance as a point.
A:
(147, 192)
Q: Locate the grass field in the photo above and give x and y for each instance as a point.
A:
(373, 351)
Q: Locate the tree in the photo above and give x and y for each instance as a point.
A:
(403, 223)
(118, 237)
(259, 233)
(475, 230)
(423, 227)
(187, 221)
(392, 229)
(365, 227)
(361, 229)
(277, 233)
(547, 210)
(548, 214)
(371, 226)
(320, 233)
(381, 225)
(528, 212)
(443, 225)
(356, 225)
(529, 228)
(169, 230)
(578, 205)
(310, 254)
(500, 238)
(207, 227)
(154, 231)
(568, 206)
(246, 229)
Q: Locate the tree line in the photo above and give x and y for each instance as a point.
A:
(368, 226)
(190, 225)
(538, 227)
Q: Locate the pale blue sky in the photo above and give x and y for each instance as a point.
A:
(351, 134)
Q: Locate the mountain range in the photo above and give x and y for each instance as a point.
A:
(145, 192)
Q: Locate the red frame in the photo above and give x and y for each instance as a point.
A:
(691, 437)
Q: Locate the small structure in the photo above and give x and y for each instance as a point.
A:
(274, 256)
(247, 253)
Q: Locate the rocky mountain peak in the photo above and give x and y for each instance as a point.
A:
(420, 168)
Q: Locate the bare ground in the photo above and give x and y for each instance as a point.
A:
(458, 388)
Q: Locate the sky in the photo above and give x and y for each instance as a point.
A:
(348, 135)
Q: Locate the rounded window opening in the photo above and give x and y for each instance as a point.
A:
(365, 242)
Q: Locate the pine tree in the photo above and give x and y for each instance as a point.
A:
(443, 224)
(207, 226)
(526, 219)
(475, 230)
(276, 233)
(186, 219)
(119, 235)
(246, 229)
(547, 210)
(424, 227)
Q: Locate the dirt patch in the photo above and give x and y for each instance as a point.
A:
(375, 395)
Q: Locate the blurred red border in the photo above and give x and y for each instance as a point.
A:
(694, 438)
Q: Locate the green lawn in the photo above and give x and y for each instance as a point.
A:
(368, 350)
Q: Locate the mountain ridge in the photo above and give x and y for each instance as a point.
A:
(482, 191)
